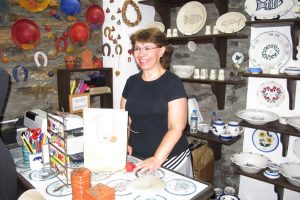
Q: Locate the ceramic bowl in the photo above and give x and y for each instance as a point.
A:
(294, 122)
(256, 116)
(250, 162)
(292, 70)
(183, 71)
(291, 171)
(228, 197)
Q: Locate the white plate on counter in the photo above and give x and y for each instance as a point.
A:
(191, 18)
(231, 22)
(270, 49)
(268, 9)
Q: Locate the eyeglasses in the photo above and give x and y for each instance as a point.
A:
(146, 49)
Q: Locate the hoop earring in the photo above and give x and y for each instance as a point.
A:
(36, 60)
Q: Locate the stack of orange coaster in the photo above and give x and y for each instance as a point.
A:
(81, 181)
(100, 192)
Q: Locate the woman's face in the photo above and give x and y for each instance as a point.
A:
(147, 55)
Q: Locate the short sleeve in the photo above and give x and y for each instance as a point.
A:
(176, 90)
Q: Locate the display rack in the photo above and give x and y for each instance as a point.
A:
(58, 146)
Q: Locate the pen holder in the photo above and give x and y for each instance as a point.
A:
(25, 154)
(36, 161)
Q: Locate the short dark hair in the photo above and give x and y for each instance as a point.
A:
(154, 35)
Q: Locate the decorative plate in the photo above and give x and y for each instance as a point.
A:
(180, 187)
(121, 186)
(270, 49)
(156, 197)
(192, 46)
(256, 116)
(43, 174)
(191, 18)
(147, 185)
(270, 94)
(237, 58)
(158, 25)
(98, 176)
(16, 153)
(231, 22)
(268, 9)
(22, 164)
(157, 173)
(59, 189)
(296, 147)
(265, 141)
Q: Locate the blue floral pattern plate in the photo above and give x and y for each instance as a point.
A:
(265, 141)
(180, 187)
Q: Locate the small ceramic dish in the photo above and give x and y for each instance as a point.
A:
(225, 137)
(292, 70)
(255, 70)
(228, 197)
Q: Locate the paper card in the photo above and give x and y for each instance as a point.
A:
(105, 139)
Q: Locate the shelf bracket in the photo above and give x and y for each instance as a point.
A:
(220, 44)
(217, 149)
(219, 91)
(291, 88)
(279, 191)
(222, 6)
(164, 12)
(284, 139)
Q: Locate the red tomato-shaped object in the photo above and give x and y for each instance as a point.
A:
(129, 166)
(95, 14)
(79, 33)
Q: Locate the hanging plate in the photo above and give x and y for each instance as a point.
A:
(265, 141)
(191, 18)
(296, 147)
(231, 22)
(270, 94)
(268, 9)
(270, 49)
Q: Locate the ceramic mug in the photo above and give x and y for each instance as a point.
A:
(219, 127)
(234, 129)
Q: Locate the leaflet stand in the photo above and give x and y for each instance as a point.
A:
(58, 146)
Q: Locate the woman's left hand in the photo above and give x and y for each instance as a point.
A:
(150, 164)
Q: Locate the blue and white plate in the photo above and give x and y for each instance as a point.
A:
(268, 9)
(59, 189)
(270, 49)
(121, 186)
(180, 187)
(265, 141)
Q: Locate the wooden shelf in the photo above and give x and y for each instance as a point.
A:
(290, 84)
(163, 7)
(63, 87)
(218, 88)
(284, 130)
(213, 142)
(279, 183)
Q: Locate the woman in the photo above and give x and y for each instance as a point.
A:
(157, 105)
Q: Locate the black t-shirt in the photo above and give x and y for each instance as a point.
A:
(147, 106)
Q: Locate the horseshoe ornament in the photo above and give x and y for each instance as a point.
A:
(36, 58)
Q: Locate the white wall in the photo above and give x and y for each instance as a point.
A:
(120, 62)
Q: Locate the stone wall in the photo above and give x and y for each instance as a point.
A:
(40, 90)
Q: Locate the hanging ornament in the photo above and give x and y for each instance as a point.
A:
(79, 33)
(34, 5)
(70, 8)
(95, 16)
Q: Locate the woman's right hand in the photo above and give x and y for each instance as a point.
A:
(129, 149)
